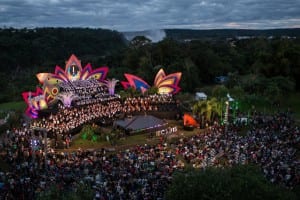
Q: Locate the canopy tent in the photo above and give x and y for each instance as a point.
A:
(141, 123)
(200, 96)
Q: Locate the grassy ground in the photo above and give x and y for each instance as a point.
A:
(129, 141)
(293, 102)
(15, 106)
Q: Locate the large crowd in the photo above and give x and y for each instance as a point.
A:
(66, 119)
(271, 143)
(143, 172)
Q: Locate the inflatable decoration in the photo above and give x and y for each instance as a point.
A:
(73, 72)
(189, 123)
(41, 98)
(166, 84)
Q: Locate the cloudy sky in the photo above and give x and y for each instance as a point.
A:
(136, 15)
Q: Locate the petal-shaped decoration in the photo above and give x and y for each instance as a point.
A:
(59, 72)
(168, 89)
(167, 84)
(73, 71)
(50, 79)
(159, 76)
(136, 82)
(73, 68)
(86, 71)
(171, 79)
(42, 77)
(125, 84)
(99, 74)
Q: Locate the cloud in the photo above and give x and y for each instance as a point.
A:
(129, 15)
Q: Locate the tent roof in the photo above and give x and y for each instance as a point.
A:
(140, 122)
(201, 94)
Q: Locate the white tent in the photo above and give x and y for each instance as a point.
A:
(200, 96)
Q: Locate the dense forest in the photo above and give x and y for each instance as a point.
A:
(258, 65)
(182, 34)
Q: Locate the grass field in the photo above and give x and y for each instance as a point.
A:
(13, 106)
(130, 141)
(293, 101)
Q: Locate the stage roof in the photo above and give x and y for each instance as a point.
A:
(141, 123)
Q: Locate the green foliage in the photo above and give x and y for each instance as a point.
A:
(258, 66)
(152, 90)
(220, 92)
(91, 133)
(139, 41)
(87, 132)
(239, 182)
(237, 92)
(13, 106)
(210, 108)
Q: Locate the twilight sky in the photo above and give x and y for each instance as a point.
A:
(137, 15)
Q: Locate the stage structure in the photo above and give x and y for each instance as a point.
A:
(84, 85)
(77, 86)
(166, 84)
(141, 123)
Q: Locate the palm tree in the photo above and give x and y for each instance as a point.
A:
(209, 108)
(215, 109)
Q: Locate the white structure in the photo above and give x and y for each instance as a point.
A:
(200, 96)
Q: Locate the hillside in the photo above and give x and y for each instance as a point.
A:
(273, 64)
(46, 47)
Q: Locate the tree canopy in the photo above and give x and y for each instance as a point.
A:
(239, 182)
(259, 65)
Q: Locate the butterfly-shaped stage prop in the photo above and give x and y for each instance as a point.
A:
(166, 84)
(50, 81)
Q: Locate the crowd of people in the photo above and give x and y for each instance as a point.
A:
(150, 103)
(65, 120)
(88, 87)
(86, 91)
(143, 171)
(271, 142)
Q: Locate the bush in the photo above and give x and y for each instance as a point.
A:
(239, 182)
(87, 132)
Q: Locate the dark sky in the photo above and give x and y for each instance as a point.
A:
(135, 15)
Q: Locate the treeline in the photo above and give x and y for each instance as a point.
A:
(259, 65)
(183, 34)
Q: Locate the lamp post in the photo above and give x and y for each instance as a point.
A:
(226, 116)
(226, 113)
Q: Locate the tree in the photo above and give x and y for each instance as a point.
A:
(219, 92)
(139, 41)
(210, 109)
(239, 182)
